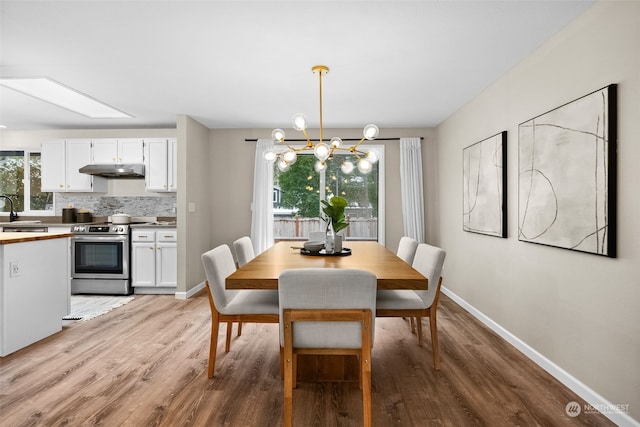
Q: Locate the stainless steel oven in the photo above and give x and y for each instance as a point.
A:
(100, 259)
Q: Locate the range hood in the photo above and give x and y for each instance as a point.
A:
(114, 170)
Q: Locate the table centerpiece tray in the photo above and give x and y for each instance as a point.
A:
(322, 252)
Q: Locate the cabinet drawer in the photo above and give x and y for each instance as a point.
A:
(143, 236)
(166, 235)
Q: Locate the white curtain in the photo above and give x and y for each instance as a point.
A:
(262, 204)
(411, 188)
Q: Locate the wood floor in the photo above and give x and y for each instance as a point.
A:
(144, 364)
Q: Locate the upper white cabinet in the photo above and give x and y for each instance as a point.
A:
(61, 160)
(112, 150)
(161, 164)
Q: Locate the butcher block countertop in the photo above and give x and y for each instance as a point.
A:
(8, 237)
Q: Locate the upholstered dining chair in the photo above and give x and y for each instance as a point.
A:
(326, 311)
(244, 250)
(428, 261)
(407, 249)
(248, 306)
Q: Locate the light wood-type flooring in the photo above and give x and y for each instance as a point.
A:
(144, 364)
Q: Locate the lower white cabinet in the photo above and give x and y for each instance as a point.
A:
(154, 259)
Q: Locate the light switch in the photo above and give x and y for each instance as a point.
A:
(192, 207)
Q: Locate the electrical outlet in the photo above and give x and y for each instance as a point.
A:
(14, 269)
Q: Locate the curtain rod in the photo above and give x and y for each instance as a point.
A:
(344, 139)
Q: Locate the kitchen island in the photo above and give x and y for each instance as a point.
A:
(34, 287)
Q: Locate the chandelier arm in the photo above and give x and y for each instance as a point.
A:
(306, 135)
(358, 143)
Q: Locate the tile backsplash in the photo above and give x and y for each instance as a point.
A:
(107, 205)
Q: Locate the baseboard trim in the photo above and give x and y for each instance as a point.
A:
(589, 395)
(191, 292)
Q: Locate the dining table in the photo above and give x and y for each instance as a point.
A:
(391, 271)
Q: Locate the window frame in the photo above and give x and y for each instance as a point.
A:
(26, 154)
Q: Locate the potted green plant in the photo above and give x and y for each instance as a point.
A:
(336, 222)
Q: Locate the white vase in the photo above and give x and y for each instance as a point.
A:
(337, 247)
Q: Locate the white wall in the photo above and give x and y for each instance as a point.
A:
(580, 311)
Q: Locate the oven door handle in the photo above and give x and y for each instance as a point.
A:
(99, 238)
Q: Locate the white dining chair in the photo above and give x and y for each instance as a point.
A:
(248, 306)
(407, 249)
(428, 261)
(326, 311)
(244, 250)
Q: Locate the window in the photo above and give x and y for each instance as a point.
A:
(301, 188)
(20, 180)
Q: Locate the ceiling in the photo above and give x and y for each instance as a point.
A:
(243, 64)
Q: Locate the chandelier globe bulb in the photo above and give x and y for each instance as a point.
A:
(278, 135)
(346, 167)
(283, 166)
(290, 157)
(370, 131)
(336, 142)
(364, 166)
(319, 166)
(322, 151)
(299, 122)
(372, 157)
(270, 155)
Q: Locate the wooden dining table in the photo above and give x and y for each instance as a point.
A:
(263, 271)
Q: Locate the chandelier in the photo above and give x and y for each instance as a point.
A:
(322, 150)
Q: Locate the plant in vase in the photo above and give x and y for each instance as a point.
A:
(336, 222)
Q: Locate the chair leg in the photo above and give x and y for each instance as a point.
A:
(289, 370)
(227, 345)
(412, 325)
(420, 339)
(365, 377)
(213, 345)
(239, 328)
(294, 377)
(282, 364)
(434, 339)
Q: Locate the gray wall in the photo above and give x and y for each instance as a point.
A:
(580, 311)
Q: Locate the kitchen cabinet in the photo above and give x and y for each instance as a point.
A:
(161, 172)
(61, 160)
(154, 259)
(120, 151)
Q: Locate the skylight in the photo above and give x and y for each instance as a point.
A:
(63, 96)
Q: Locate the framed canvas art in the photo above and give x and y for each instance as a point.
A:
(567, 175)
(484, 186)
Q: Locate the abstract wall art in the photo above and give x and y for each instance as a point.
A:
(484, 187)
(567, 175)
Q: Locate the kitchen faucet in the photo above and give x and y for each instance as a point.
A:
(12, 215)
